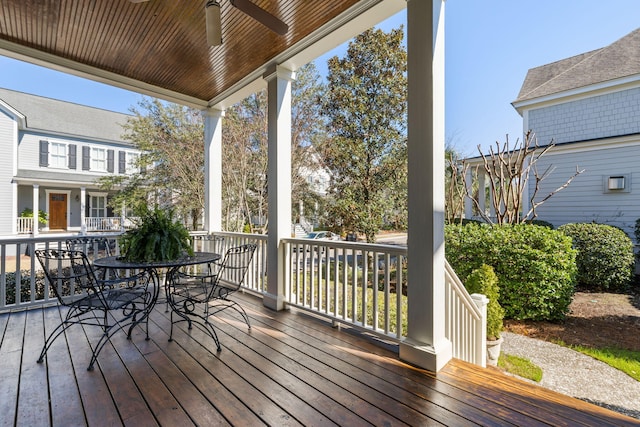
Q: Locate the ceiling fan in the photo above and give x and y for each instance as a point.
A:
(214, 20)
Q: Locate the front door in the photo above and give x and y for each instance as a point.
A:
(57, 211)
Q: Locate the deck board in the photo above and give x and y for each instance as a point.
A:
(291, 369)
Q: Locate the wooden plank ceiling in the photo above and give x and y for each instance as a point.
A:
(161, 43)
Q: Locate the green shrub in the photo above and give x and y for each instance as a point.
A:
(25, 287)
(605, 257)
(541, 223)
(484, 281)
(535, 266)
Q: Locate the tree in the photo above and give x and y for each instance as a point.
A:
(366, 109)
(171, 138)
(245, 150)
(171, 165)
(244, 170)
(454, 185)
(308, 130)
(509, 171)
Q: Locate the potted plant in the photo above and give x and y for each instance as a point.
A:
(157, 237)
(484, 281)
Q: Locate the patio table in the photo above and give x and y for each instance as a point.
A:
(153, 267)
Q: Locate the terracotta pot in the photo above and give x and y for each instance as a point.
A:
(493, 351)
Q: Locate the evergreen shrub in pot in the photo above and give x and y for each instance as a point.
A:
(483, 280)
(157, 237)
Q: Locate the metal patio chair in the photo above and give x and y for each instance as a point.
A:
(111, 305)
(94, 247)
(195, 293)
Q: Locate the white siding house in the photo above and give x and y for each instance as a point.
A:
(589, 105)
(52, 154)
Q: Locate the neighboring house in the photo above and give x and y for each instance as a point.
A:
(53, 152)
(589, 105)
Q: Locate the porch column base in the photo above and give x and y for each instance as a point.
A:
(426, 356)
(274, 302)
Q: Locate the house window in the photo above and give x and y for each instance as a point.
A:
(132, 162)
(98, 159)
(98, 206)
(58, 155)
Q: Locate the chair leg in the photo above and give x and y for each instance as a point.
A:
(59, 330)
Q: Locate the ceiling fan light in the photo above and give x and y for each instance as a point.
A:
(214, 23)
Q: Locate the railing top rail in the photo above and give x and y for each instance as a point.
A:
(9, 240)
(261, 237)
(369, 247)
(464, 296)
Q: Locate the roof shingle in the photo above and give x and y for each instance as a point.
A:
(619, 59)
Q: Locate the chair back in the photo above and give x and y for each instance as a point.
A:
(234, 265)
(69, 273)
(212, 243)
(93, 247)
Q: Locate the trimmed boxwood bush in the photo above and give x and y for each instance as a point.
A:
(605, 257)
(535, 266)
(484, 281)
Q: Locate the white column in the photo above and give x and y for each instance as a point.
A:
(468, 203)
(83, 210)
(36, 209)
(426, 344)
(279, 181)
(213, 169)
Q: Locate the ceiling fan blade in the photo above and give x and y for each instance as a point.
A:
(262, 16)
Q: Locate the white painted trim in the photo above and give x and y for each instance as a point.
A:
(213, 125)
(611, 86)
(426, 344)
(68, 66)
(278, 183)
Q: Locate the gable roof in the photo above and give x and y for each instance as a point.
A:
(619, 59)
(61, 117)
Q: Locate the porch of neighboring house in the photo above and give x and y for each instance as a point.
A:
(290, 369)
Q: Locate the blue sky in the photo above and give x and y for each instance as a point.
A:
(490, 45)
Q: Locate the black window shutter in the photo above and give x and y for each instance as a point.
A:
(86, 158)
(110, 160)
(72, 156)
(44, 153)
(122, 162)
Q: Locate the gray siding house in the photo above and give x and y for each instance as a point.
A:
(589, 105)
(52, 154)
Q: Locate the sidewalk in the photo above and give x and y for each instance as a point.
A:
(575, 374)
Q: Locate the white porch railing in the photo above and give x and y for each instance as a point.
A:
(22, 283)
(465, 320)
(256, 278)
(103, 223)
(25, 225)
(364, 285)
(359, 284)
(353, 283)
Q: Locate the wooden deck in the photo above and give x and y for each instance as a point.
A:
(291, 369)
